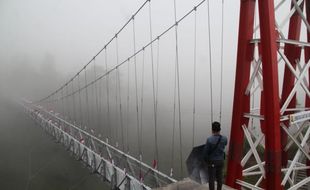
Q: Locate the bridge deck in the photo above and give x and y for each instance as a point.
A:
(123, 171)
(188, 184)
(109, 165)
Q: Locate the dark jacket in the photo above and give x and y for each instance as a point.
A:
(211, 153)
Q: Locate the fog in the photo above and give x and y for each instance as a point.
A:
(45, 43)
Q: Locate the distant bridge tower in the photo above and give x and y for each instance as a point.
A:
(284, 125)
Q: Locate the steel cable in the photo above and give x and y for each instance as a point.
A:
(141, 50)
(120, 96)
(80, 102)
(194, 76)
(105, 46)
(115, 132)
(87, 103)
(136, 86)
(108, 95)
(100, 105)
(210, 65)
(173, 126)
(68, 103)
(141, 104)
(222, 52)
(96, 96)
(108, 71)
(153, 86)
(63, 103)
(127, 108)
(73, 104)
(178, 88)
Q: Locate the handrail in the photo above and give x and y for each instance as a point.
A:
(108, 145)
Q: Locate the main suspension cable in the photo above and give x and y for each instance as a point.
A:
(105, 47)
(142, 49)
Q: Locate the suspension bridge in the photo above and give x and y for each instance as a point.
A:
(269, 137)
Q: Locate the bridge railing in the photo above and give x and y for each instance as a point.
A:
(121, 169)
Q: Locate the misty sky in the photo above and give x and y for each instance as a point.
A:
(71, 32)
(43, 43)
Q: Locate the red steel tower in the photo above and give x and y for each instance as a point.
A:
(270, 123)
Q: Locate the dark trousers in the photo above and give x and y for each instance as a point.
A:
(215, 171)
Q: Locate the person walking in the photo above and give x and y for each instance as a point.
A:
(214, 156)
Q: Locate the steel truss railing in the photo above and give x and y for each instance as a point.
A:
(120, 169)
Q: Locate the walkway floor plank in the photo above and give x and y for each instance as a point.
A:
(188, 184)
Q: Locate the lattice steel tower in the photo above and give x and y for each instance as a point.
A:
(275, 67)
